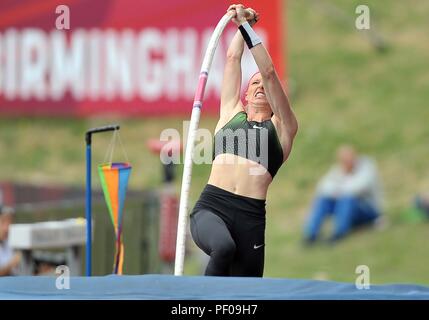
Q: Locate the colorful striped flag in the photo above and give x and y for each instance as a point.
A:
(114, 180)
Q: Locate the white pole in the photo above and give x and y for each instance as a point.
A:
(195, 119)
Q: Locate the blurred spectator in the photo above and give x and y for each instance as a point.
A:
(421, 202)
(8, 259)
(350, 191)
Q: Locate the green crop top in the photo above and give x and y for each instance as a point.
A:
(252, 140)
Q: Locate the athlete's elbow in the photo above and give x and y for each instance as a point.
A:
(292, 128)
(233, 55)
(268, 72)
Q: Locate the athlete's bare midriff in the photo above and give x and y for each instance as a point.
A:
(240, 176)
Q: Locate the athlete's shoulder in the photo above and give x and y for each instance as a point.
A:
(237, 114)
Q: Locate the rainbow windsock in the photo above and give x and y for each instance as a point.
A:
(114, 180)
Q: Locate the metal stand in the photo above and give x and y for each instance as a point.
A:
(88, 209)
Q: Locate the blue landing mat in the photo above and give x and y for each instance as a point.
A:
(196, 287)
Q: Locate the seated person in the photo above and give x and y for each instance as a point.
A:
(8, 259)
(350, 191)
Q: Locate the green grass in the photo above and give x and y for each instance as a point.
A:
(345, 91)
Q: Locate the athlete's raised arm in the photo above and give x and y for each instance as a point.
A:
(231, 84)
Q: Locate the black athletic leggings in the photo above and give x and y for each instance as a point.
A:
(231, 230)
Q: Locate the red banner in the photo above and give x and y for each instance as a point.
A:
(127, 57)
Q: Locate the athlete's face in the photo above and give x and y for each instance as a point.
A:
(255, 95)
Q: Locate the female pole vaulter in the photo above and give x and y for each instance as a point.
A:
(251, 143)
